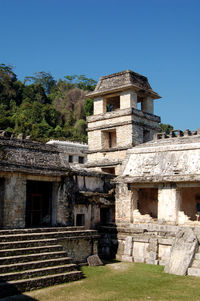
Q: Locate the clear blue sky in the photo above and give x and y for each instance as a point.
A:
(157, 38)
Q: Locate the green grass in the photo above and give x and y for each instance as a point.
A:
(124, 281)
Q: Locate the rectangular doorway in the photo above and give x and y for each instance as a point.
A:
(38, 204)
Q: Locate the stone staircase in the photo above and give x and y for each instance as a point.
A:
(194, 270)
(32, 259)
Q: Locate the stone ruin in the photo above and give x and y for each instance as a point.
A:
(139, 187)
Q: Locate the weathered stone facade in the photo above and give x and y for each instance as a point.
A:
(74, 152)
(117, 124)
(156, 201)
(39, 188)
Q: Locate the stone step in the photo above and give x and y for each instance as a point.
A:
(13, 287)
(40, 230)
(31, 257)
(17, 267)
(197, 256)
(46, 235)
(28, 250)
(38, 272)
(194, 271)
(27, 243)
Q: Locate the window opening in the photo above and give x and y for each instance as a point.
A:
(70, 159)
(112, 103)
(80, 160)
(80, 219)
(110, 170)
(109, 139)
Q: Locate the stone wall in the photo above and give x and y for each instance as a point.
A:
(172, 159)
(14, 202)
(131, 121)
(149, 244)
(2, 188)
(79, 248)
(68, 148)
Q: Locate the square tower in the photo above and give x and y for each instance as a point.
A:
(123, 117)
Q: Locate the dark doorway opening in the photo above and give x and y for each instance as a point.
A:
(106, 216)
(80, 220)
(38, 204)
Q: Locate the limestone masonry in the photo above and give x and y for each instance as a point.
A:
(138, 187)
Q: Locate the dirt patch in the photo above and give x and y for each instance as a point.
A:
(120, 266)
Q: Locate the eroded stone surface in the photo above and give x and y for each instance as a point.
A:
(182, 252)
(94, 260)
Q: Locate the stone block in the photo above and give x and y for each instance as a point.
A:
(162, 262)
(140, 251)
(139, 259)
(182, 252)
(194, 272)
(128, 246)
(196, 263)
(127, 258)
(164, 253)
(94, 260)
(151, 261)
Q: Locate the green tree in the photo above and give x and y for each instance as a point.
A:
(88, 107)
(10, 88)
(44, 79)
(34, 93)
(166, 128)
(81, 82)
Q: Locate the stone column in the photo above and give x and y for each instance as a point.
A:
(99, 106)
(66, 202)
(55, 187)
(169, 198)
(126, 202)
(147, 105)
(14, 202)
(128, 99)
(128, 249)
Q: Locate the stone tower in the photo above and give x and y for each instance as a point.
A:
(123, 117)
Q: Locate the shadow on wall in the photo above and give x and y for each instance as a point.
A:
(108, 243)
(9, 292)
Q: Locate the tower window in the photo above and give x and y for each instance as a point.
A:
(109, 139)
(112, 103)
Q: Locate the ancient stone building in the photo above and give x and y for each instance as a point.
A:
(157, 187)
(75, 153)
(153, 216)
(123, 117)
(156, 197)
(39, 188)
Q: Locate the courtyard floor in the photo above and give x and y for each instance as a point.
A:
(121, 281)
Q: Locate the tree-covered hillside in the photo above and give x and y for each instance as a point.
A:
(43, 107)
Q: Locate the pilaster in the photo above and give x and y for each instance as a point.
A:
(169, 198)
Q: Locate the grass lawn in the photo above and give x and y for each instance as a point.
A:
(123, 281)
